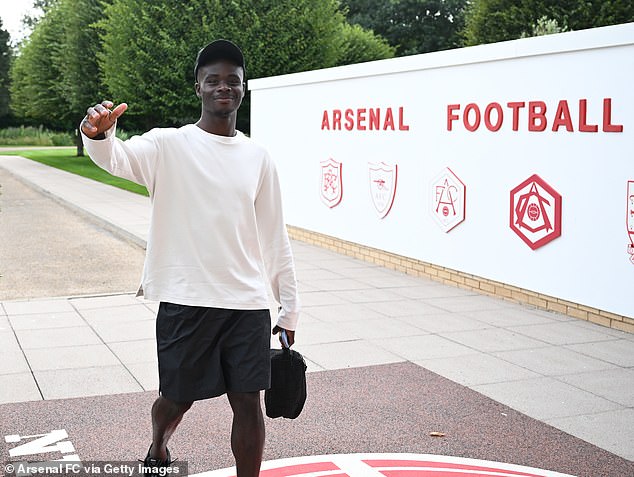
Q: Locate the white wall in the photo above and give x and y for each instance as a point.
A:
(588, 264)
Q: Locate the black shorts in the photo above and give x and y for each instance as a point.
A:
(205, 352)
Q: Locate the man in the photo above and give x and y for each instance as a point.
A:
(216, 223)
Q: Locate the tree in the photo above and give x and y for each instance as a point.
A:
(37, 96)
(40, 7)
(149, 48)
(361, 45)
(56, 76)
(412, 26)
(544, 26)
(489, 21)
(77, 58)
(148, 54)
(5, 63)
(143, 51)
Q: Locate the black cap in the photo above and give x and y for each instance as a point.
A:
(219, 50)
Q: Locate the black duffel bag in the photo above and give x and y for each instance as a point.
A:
(287, 394)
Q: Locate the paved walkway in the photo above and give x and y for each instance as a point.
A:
(573, 375)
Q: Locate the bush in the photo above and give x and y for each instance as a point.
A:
(31, 136)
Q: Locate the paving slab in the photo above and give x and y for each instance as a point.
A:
(494, 339)
(78, 382)
(619, 351)
(616, 385)
(135, 351)
(424, 346)
(348, 354)
(609, 430)
(39, 321)
(57, 337)
(18, 387)
(70, 357)
(569, 332)
(477, 369)
(554, 361)
(546, 398)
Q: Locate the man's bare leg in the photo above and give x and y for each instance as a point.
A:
(247, 432)
(166, 416)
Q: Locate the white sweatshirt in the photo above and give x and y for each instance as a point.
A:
(216, 223)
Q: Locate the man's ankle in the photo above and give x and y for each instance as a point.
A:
(158, 452)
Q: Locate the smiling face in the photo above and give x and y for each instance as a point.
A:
(220, 86)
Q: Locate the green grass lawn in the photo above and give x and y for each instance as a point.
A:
(67, 160)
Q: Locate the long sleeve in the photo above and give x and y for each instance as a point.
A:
(134, 159)
(276, 248)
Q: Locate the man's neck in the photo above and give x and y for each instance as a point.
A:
(225, 126)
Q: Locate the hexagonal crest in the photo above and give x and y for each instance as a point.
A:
(447, 200)
(535, 214)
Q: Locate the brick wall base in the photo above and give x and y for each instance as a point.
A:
(448, 276)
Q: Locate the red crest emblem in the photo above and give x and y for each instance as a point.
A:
(535, 212)
(448, 197)
(331, 184)
(383, 179)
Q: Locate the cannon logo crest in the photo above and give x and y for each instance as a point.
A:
(383, 179)
(535, 212)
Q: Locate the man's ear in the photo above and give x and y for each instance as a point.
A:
(197, 88)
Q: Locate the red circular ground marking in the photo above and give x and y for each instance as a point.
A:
(388, 465)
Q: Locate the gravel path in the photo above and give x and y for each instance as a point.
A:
(46, 250)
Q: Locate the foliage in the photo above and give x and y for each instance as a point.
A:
(544, 26)
(489, 21)
(65, 159)
(39, 6)
(362, 45)
(412, 26)
(149, 50)
(80, 77)
(142, 52)
(32, 136)
(5, 63)
(36, 93)
(57, 66)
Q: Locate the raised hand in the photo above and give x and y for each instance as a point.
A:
(101, 117)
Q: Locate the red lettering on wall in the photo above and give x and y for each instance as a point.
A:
(325, 124)
(349, 119)
(515, 106)
(583, 115)
(389, 120)
(375, 118)
(537, 116)
(451, 116)
(487, 117)
(607, 117)
(465, 119)
(364, 119)
(562, 117)
(336, 119)
(401, 123)
(361, 119)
